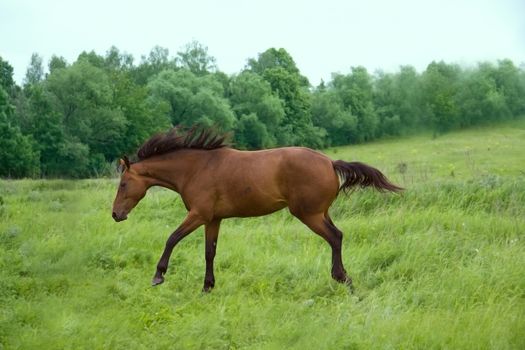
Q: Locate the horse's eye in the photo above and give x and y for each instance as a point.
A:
(122, 185)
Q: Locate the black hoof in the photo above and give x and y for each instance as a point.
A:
(157, 280)
(207, 288)
(342, 278)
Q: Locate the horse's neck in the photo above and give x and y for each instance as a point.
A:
(172, 172)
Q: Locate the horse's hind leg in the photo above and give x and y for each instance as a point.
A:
(328, 218)
(325, 228)
(211, 233)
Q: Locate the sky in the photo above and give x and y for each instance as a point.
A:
(323, 37)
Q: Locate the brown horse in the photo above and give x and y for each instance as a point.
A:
(217, 182)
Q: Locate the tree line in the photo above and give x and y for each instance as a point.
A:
(74, 119)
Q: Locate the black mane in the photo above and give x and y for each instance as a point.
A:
(178, 138)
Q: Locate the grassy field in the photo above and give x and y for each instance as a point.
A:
(440, 267)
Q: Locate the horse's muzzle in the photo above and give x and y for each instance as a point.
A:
(119, 218)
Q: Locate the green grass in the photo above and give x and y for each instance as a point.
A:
(440, 267)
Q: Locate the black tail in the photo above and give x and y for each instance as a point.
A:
(358, 174)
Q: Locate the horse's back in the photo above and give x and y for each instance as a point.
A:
(252, 183)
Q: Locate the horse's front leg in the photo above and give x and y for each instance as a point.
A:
(190, 223)
(212, 233)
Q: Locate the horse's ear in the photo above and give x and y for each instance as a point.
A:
(126, 161)
(123, 164)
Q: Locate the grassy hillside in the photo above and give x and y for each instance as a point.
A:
(441, 266)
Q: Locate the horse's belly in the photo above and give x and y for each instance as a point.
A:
(245, 205)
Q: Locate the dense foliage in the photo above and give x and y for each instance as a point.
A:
(74, 119)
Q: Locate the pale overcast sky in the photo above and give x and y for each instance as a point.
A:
(322, 36)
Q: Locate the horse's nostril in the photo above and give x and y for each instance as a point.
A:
(114, 215)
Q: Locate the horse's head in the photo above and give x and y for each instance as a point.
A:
(132, 188)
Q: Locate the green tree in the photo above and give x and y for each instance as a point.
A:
(251, 133)
(508, 81)
(157, 61)
(396, 101)
(356, 92)
(141, 119)
(188, 99)
(118, 61)
(21, 99)
(330, 114)
(17, 156)
(278, 68)
(48, 132)
(195, 58)
(408, 97)
(274, 58)
(386, 104)
(83, 96)
(35, 71)
(56, 62)
(6, 76)
(92, 58)
(251, 96)
(131, 100)
(479, 98)
(440, 84)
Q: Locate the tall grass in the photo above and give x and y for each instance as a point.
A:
(440, 266)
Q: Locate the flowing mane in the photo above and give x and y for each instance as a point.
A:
(178, 138)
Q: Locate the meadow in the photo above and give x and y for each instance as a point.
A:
(441, 266)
